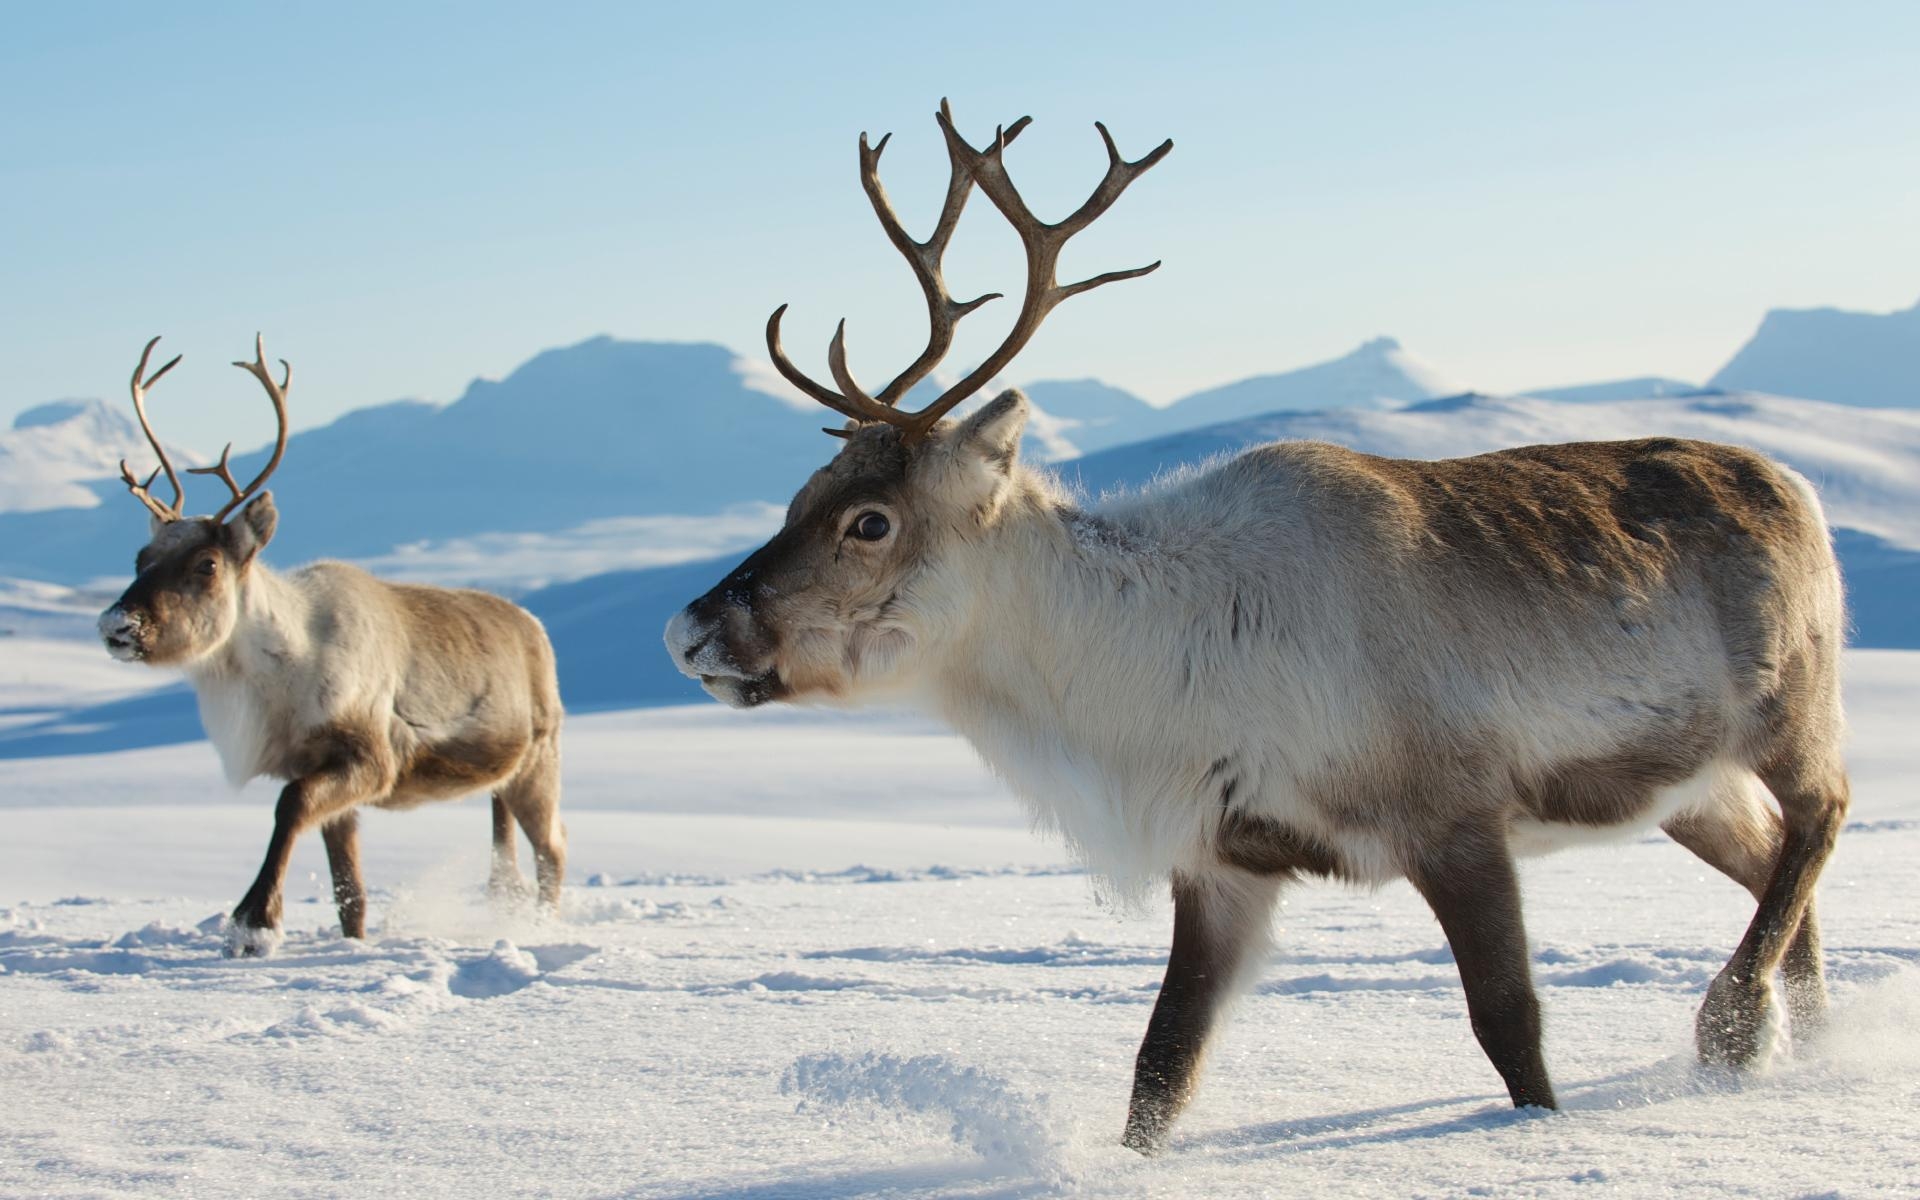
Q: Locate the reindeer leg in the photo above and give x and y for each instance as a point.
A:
(349, 773)
(254, 928)
(504, 882)
(342, 836)
(1732, 1025)
(533, 797)
(1470, 883)
(1740, 836)
(1219, 921)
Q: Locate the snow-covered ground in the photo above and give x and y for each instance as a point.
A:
(812, 955)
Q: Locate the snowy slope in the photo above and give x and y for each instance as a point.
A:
(1845, 357)
(67, 454)
(807, 956)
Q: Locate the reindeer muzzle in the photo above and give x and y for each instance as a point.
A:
(124, 632)
(719, 645)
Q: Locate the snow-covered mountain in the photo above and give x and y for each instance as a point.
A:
(54, 451)
(578, 436)
(598, 430)
(692, 434)
(1074, 417)
(1379, 374)
(1085, 415)
(1845, 357)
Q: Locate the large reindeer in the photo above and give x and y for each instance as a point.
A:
(353, 690)
(1307, 661)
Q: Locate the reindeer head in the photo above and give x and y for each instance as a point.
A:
(185, 597)
(864, 580)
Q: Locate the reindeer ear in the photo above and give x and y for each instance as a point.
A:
(154, 526)
(254, 527)
(977, 455)
(993, 434)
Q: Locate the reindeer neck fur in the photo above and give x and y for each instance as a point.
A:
(242, 684)
(1077, 720)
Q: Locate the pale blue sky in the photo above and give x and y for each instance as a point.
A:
(406, 196)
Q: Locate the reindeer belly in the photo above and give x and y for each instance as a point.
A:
(1597, 806)
(455, 765)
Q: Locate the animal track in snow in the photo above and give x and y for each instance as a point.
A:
(982, 1111)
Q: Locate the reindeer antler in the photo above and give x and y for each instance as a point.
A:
(277, 392)
(139, 387)
(1042, 241)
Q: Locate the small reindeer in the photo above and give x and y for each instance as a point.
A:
(353, 690)
(1306, 661)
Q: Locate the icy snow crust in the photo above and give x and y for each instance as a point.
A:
(808, 956)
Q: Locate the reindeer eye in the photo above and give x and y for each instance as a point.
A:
(205, 567)
(870, 526)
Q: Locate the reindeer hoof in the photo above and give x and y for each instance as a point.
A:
(1737, 1026)
(508, 890)
(1146, 1135)
(250, 941)
(1143, 1145)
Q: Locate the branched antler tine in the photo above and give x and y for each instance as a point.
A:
(865, 407)
(981, 163)
(1086, 285)
(140, 492)
(798, 378)
(1043, 243)
(276, 392)
(221, 469)
(138, 386)
(962, 308)
(837, 363)
(943, 312)
(1120, 173)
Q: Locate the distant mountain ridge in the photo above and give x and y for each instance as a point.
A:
(598, 430)
(1379, 374)
(1082, 415)
(1847, 357)
(601, 429)
(613, 430)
